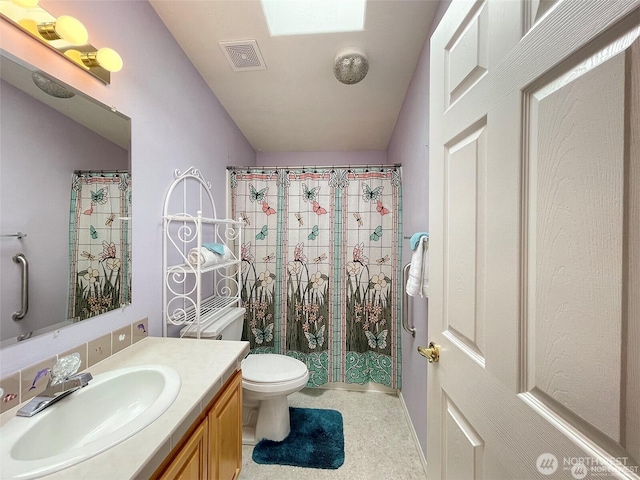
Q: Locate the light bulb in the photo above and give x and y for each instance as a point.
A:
(71, 30)
(109, 59)
(65, 27)
(26, 3)
(106, 58)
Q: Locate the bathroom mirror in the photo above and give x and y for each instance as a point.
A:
(65, 196)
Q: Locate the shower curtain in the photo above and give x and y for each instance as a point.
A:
(99, 243)
(321, 268)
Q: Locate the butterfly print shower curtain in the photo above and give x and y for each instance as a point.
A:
(321, 268)
(99, 243)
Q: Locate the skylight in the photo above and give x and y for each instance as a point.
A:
(303, 17)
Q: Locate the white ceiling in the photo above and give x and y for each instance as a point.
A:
(296, 104)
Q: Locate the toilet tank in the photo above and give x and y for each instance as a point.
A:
(226, 327)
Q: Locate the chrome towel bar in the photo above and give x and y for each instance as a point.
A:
(20, 258)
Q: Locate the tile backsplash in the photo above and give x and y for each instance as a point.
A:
(121, 339)
(33, 379)
(28, 382)
(139, 330)
(99, 349)
(10, 386)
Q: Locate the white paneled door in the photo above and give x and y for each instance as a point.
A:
(535, 240)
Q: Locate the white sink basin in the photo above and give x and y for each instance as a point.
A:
(113, 407)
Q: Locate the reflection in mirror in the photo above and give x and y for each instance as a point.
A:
(65, 186)
(98, 244)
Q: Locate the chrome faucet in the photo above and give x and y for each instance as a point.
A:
(63, 381)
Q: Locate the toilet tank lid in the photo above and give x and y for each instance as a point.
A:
(272, 367)
(212, 327)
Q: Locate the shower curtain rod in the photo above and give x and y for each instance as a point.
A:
(80, 172)
(312, 167)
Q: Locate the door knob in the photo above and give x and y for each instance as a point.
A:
(432, 353)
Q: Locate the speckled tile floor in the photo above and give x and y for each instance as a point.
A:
(377, 437)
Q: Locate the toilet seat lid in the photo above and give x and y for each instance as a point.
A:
(272, 367)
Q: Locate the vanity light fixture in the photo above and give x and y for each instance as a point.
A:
(106, 58)
(65, 35)
(65, 27)
(26, 3)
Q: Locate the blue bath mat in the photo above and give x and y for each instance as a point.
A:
(316, 441)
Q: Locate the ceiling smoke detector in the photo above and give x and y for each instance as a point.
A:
(243, 55)
(350, 66)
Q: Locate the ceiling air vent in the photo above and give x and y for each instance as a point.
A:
(243, 55)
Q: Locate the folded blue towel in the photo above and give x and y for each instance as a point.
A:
(415, 238)
(214, 247)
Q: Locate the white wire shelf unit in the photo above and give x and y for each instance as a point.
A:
(194, 292)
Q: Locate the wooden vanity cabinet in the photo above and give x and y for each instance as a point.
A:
(190, 462)
(225, 432)
(212, 448)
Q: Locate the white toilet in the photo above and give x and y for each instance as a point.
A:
(267, 380)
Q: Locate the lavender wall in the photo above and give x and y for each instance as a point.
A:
(295, 159)
(40, 149)
(176, 122)
(409, 146)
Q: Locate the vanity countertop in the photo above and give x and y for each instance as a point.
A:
(204, 366)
